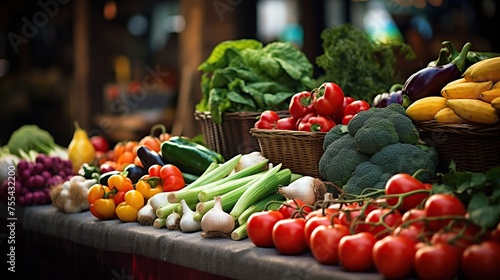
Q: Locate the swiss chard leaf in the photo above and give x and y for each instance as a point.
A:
(218, 58)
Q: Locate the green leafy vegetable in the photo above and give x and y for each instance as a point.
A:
(480, 192)
(31, 137)
(359, 65)
(244, 76)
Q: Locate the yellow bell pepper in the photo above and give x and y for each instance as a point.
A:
(128, 209)
(149, 186)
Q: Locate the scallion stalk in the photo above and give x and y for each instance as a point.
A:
(260, 205)
(240, 232)
(211, 192)
(265, 185)
(166, 209)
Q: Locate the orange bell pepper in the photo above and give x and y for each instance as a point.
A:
(101, 200)
(128, 209)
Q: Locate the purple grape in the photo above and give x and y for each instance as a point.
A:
(21, 200)
(39, 181)
(46, 174)
(22, 164)
(30, 183)
(28, 197)
(39, 168)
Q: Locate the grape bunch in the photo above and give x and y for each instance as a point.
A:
(33, 180)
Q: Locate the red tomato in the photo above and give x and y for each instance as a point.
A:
(313, 223)
(346, 119)
(325, 241)
(412, 232)
(354, 218)
(260, 227)
(442, 205)
(289, 207)
(451, 238)
(319, 213)
(355, 251)
(356, 107)
(481, 261)
(495, 234)
(392, 220)
(100, 143)
(393, 256)
(413, 217)
(288, 236)
(403, 183)
(439, 261)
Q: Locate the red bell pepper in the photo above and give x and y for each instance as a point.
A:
(354, 108)
(338, 118)
(170, 176)
(288, 123)
(267, 120)
(301, 104)
(328, 99)
(314, 122)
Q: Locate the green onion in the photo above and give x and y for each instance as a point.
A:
(261, 205)
(264, 186)
(228, 200)
(191, 194)
(221, 171)
(210, 193)
(165, 210)
(240, 232)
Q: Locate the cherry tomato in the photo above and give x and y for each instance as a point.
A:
(355, 251)
(325, 242)
(403, 183)
(288, 208)
(288, 236)
(260, 227)
(439, 261)
(414, 216)
(480, 261)
(442, 205)
(391, 219)
(313, 223)
(450, 237)
(346, 119)
(393, 256)
(412, 232)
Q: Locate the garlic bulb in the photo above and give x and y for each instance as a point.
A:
(216, 222)
(187, 223)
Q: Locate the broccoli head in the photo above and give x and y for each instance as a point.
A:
(333, 134)
(374, 135)
(395, 113)
(366, 175)
(406, 158)
(340, 159)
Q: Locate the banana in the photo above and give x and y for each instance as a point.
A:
(484, 70)
(471, 90)
(457, 81)
(491, 94)
(495, 85)
(495, 103)
(425, 109)
(474, 110)
(447, 115)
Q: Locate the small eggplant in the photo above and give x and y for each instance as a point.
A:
(135, 172)
(395, 95)
(430, 80)
(149, 157)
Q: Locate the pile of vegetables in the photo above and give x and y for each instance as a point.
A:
(245, 76)
(376, 144)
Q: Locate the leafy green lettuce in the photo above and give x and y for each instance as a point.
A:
(245, 76)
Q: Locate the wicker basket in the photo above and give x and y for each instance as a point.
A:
(232, 136)
(472, 147)
(299, 151)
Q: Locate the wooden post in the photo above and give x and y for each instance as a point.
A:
(79, 97)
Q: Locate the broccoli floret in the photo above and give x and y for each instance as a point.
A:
(334, 134)
(366, 175)
(406, 158)
(340, 159)
(374, 135)
(405, 127)
(396, 113)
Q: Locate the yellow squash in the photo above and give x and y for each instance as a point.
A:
(425, 109)
(80, 149)
(474, 110)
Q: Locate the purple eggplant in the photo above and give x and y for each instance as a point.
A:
(430, 80)
(395, 95)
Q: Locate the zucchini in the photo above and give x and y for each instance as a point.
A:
(189, 178)
(187, 158)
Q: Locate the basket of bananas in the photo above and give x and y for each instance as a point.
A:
(463, 123)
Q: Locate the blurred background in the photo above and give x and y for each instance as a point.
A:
(117, 67)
